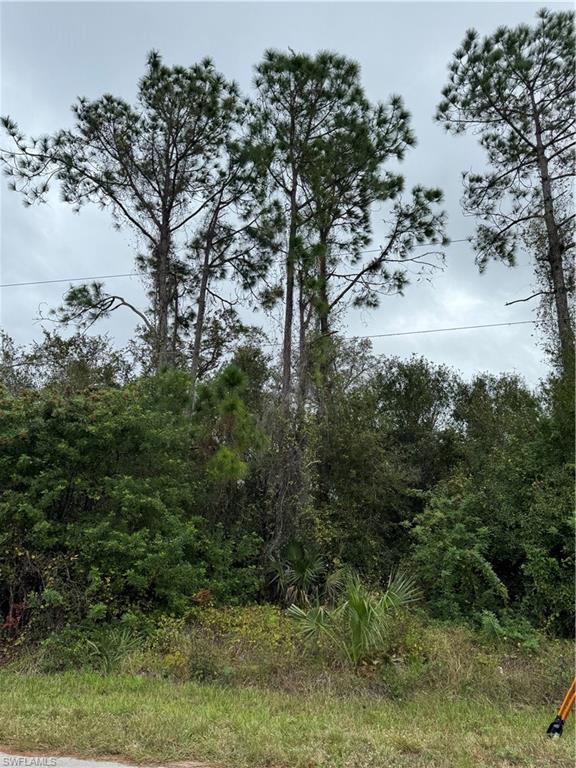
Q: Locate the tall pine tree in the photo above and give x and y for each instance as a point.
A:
(515, 89)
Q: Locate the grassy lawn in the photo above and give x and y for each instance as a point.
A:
(151, 721)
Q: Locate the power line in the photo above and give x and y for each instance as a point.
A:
(440, 330)
(68, 280)
(367, 336)
(426, 330)
(138, 274)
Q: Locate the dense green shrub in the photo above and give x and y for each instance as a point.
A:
(497, 536)
(100, 511)
(355, 626)
(122, 503)
(547, 527)
(451, 556)
(85, 646)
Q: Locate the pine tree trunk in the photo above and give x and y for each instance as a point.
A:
(323, 295)
(303, 356)
(201, 310)
(289, 309)
(175, 321)
(324, 388)
(555, 261)
(199, 326)
(162, 256)
(323, 312)
(283, 488)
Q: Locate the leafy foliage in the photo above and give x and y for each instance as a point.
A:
(165, 484)
(99, 507)
(298, 575)
(355, 626)
(451, 554)
(497, 533)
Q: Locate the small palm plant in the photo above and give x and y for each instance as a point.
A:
(356, 624)
(110, 647)
(297, 576)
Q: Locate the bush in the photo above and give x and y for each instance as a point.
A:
(255, 629)
(66, 649)
(110, 646)
(451, 553)
(548, 535)
(101, 649)
(355, 626)
(248, 644)
(510, 630)
(99, 512)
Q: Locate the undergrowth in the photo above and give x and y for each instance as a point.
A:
(261, 646)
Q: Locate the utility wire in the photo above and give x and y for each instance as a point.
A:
(136, 274)
(439, 330)
(67, 280)
(355, 338)
(426, 330)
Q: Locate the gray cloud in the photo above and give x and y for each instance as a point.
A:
(54, 52)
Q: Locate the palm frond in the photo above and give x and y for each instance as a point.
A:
(313, 622)
(401, 591)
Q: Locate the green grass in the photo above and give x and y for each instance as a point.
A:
(148, 720)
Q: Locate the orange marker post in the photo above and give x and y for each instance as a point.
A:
(557, 725)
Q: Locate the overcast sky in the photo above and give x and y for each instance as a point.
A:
(52, 53)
